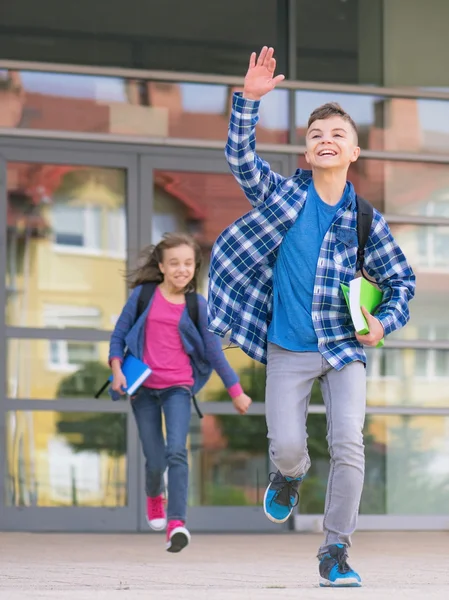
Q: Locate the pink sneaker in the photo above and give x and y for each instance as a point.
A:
(156, 517)
(178, 537)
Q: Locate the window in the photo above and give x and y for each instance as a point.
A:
(383, 363)
(196, 36)
(164, 223)
(70, 356)
(430, 364)
(78, 226)
(433, 241)
(339, 42)
(89, 228)
(116, 221)
(66, 355)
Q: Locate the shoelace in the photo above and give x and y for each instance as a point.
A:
(343, 566)
(157, 508)
(173, 525)
(286, 490)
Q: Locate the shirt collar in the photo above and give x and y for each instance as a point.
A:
(350, 201)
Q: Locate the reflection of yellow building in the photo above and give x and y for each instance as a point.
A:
(44, 471)
(67, 276)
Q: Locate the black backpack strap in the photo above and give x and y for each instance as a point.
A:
(102, 389)
(146, 293)
(364, 220)
(192, 308)
(197, 408)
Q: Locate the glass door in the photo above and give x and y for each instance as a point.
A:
(67, 218)
(229, 464)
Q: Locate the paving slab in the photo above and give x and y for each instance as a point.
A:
(216, 567)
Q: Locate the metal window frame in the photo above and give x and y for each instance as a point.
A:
(127, 142)
(287, 11)
(160, 152)
(49, 518)
(179, 77)
(144, 161)
(62, 519)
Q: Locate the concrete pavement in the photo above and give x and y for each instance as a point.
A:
(216, 567)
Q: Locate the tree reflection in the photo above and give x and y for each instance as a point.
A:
(100, 433)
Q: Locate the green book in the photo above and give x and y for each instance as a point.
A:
(361, 292)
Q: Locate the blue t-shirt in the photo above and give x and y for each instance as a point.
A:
(295, 271)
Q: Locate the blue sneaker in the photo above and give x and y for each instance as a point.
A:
(281, 496)
(335, 571)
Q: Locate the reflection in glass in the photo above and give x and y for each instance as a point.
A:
(395, 377)
(229, 462)
(407, 377)
(403, 188)
(198, 36)
(202, 204)
(384, 123)
(65, 459)
(360, 42)
(66, 243)
(52, 369)
(229, 454)
(339, 42)
(426, 248)
(88, 103)
(406, 466)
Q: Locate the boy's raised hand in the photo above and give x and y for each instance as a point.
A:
(260, 77)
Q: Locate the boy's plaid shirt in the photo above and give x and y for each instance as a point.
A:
(240, 283)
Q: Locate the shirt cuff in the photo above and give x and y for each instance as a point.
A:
(115, 358)
(387, 322)
(235, 390)
(245, 105)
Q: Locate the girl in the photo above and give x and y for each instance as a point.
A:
(165, 338)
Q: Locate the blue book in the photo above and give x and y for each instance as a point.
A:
(135, 371)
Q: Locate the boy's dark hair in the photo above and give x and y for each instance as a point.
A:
(150, 257)
(328, 110)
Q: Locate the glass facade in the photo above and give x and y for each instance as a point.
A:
(405, 473)
(100, 159)
(76, 464)
(198, 37)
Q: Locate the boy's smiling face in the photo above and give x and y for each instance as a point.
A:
(331, 144)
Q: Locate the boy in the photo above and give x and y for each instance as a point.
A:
(275, 282)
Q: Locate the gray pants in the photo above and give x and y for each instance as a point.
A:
(290, 377)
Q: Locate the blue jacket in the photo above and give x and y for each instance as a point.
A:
(202, 346)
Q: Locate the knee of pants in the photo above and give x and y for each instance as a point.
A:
(176, 456)
(348, 451)
(288, 455)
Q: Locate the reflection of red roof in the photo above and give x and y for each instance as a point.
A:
(60, 113)
(35, 180)
(401, 183)
(174, 184)
(213, 199)
(217, 196)
(64, 114)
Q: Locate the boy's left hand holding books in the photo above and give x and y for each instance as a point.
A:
(376, 331)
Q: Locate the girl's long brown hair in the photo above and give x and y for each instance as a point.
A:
(150, 257)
